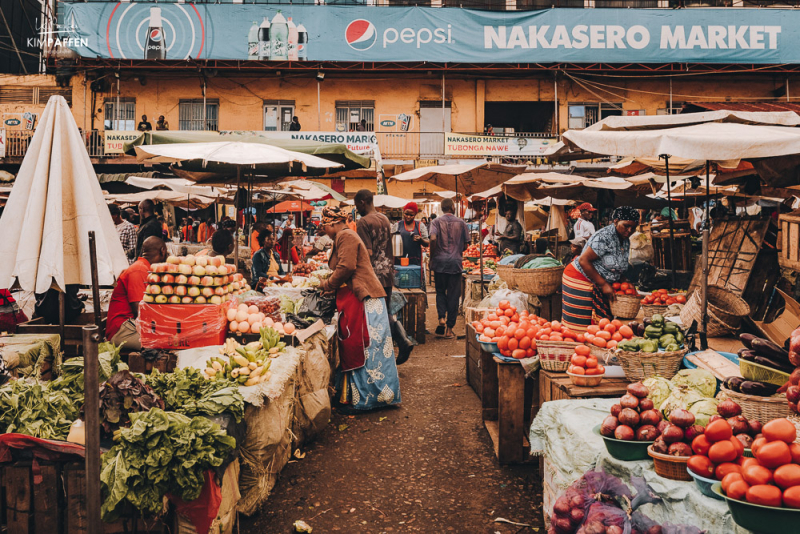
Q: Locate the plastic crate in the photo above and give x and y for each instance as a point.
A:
(407, 277)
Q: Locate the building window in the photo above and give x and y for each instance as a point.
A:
(582, 114)
(122, 118)
(677, 107)
(350, 113)
(278, 115)
(190, 116)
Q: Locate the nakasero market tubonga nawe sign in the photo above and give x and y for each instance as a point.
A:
(266, 32)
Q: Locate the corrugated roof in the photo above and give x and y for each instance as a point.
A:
(743, 106)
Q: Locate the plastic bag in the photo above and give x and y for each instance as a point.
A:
(518, 299)
(268, 305)
(316, 305)
(182, 326)
(641, 524)
(641, 249)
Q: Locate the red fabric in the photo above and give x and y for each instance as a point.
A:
(10, 320)
(43, 449)
(295, 257)
(254, 246)
(201, 511)
(572, 272)
(353, 333)
(130, 288)
(411, 206)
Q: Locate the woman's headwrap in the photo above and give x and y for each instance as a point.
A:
(331, 215)
(411, 206)
(625, 213)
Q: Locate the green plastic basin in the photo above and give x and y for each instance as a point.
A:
(627, 451)
(763, 519)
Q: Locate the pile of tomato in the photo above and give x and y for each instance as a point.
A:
(606, 334)
(661, 297)
(624, 288)
(772, 478)
(583, 363)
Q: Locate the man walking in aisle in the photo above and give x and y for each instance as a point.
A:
(148, 225)
(449, 239)
(126, 232)
(375, 231)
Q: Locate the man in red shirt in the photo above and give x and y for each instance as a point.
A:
(123, 309)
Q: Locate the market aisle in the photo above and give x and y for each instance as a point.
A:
(426, 466)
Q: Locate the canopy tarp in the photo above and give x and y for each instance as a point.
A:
(463, 179)
(384, 201)
(55, 202)
(337, 153)
(179, 185)
(173, 198)
(291, 205)
(311, 190)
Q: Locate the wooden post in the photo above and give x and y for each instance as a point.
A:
(236, 218)
(62, 317)
(665, 157)
(95, 284)
(91, 380)
(704, 282)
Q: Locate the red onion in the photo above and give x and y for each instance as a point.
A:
(714, 418)
(680, 449)
(629, 401)
(576, 516)
(615, 410)
(662, 425)
(624, 432)
(646, 433)
(682, 418)
(639, 390)
(646, 404)
(693, 431)
(650, 417)
(728, 408)
(745, 439)
(562, 525)
(739, 425)
(660, 445)
(629, 417)
(655, 529)
(614, 529)
(672, 434)
(609, 425)
(794, 378)
(576, 501)
(561, 507)
(793, 394)
(595, 527)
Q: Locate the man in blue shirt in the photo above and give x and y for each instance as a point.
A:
(449, 238)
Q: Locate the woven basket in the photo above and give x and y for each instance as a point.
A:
(651, 309)
(626, 306)
(671, 467)
(506, 274)
(555, 355)
(642, 365)
(725, 311)
(763, 409)
(539, 282)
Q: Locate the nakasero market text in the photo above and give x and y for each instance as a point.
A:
(467, 143)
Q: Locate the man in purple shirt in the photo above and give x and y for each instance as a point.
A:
(449, 238)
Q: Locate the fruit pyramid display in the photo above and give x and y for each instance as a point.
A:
(193, 280)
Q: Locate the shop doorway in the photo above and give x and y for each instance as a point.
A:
(430, 120)
(516, 117)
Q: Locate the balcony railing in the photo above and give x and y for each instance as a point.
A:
(395, 145)
(516, 5)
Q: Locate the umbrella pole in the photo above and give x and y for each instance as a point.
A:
(671, 226)
(236, 211)
(95, 283)
(91, 337)
(480, 240)
(62, 317)
(704, 281)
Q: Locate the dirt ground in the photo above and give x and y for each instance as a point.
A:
(425, 466)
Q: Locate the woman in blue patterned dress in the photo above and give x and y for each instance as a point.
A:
(367, 377)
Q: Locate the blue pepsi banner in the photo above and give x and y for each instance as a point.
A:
(354, 33)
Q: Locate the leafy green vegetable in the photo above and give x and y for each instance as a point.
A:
(161, 452)
(188, 392)
(122, 394)
(35, 410)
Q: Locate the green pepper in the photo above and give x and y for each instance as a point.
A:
(666, 339)
(657, 320)
(653, 332)
(679, 337)
(670, 328)
(649, 345)
(672, 347)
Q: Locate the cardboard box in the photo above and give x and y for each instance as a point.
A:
(181, 326)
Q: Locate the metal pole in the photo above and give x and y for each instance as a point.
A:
(84, 105)
(319, 109)
(117, 127)
(205, 126)
(555, 98)
(236, 217)
(62, 318)
(91, 408)
(480, 240)
(665, 157)
(670, 97)
(704, 282)
(95, 284)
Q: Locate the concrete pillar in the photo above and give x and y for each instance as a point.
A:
(480, 100)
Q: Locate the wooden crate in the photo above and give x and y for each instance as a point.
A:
(475, 314)
(166, 363)
(790, 240)
(473, 356)
(550, 307)
(557, 386)
(412, 316)
(73, 333)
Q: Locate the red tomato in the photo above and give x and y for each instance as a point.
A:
(604, 334)
(525, 343)
(575, 370)
(794, 448)
(757, 444)
(502, 343)
(680, 299)
(700, 465)
(578, 360)
(630, 291)
(617, 323)
(509, 313)
(600, 369)
(555, 325)
(610, 328)
(787, 476)
(479, 329)
(569, 334)
(518, 354)
(738, 489)
(729, 479)
(499, 312)
(593, 371)
(615, 286)
(722, 451)
(599, 342)
(581, 338)
(616, 336)
(501, 330)
(611, 344)
(780, 430)
(719, 430)
(756, 475)
(774, 454)
(727, 468)
(593, 329)
(504, 305)
(602, 323)
(532, 331)
(530, 353)
(626, 331)
(700, 445)
(791, 497)
(519, 333)
(543, 337)
(582, 350)
(764, 495)
(513, 344)
(591, 362)
(515, 318)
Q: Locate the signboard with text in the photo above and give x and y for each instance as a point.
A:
(364, 143)
(182, 31)
(483, 145)
(114, 139)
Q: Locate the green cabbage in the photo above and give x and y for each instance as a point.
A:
(681, 397)
(703, 410)
(698, 379)
(659, 389)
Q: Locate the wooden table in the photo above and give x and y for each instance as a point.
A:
(557, 386)
(412, 315)
(507, 407)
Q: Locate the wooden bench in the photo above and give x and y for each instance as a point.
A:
(557, 386)
(412, 316)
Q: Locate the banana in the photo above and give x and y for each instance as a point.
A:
(253, 346)
(252, 381)
(241, 360)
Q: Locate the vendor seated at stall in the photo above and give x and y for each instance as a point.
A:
(266, 262)
(123, 309)
(221, 243)
(586, 282)
(511, 238)
(542, 248)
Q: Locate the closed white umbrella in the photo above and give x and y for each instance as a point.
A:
(55, 202)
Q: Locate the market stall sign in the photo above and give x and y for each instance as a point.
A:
(12, 122)
(115, 139)
(486, 145)
(362, 33)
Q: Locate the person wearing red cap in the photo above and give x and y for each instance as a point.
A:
(584, 229)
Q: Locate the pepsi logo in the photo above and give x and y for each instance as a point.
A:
(156, 34)
(361, 35)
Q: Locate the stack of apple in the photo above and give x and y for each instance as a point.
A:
(193, 280)
(248, 319)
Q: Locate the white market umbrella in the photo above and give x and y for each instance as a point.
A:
(173, 198)
(232, 156)
(178, 185)
(55, 202)
(383, 201)
(464, 179)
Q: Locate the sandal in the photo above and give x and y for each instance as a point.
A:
(439, 330)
